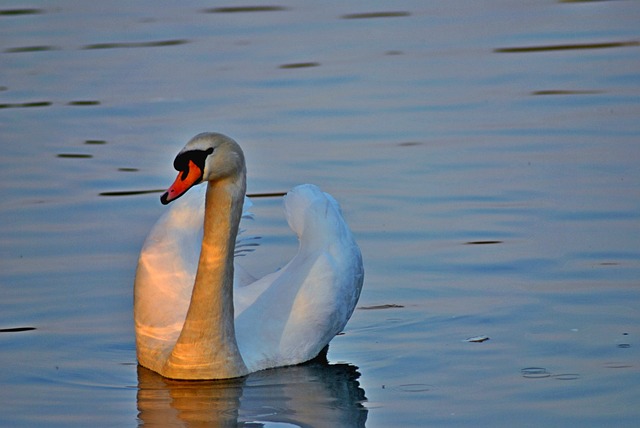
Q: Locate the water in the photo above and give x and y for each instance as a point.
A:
(485, 154)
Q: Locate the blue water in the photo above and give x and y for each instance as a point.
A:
(484, 153)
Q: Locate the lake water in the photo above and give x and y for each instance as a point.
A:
(486, 155)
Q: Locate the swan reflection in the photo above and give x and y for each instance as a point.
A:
(309, 395)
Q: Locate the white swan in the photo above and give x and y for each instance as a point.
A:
(193, 320)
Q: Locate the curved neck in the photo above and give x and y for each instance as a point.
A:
(207, 345)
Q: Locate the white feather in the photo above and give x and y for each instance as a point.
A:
(284, 318)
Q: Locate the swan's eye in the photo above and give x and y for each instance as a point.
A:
(198, 157)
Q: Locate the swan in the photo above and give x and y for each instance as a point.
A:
(198, 314)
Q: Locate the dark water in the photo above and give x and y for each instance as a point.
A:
(485, 154)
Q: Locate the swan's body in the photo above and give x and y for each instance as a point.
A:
(197, 316)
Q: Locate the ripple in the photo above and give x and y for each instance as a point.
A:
(617, 365)
(95, 142)
(370, 15)
(565, 92)
(84, 103)
(268, 424)
(16, 329)
(137, 44)
(566, 376)
(535, 373)
(541, 372)
(49, 103)
(477, 339)
(266, 195)
(74, 155)
(37, 48)
(243, 9)
(376, 307)
(145, 192)
(27, 105)
(414, 387)
(300, 65)
(131, 192)
(483, 242)
(17, 12)
(577, 46)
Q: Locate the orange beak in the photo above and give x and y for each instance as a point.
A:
(184, 181)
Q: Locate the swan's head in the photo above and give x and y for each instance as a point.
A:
(206, 157)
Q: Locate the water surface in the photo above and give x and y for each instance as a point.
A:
(485, 155)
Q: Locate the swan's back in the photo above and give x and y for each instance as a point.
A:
(288, 317)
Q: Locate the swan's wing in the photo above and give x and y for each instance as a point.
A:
(166, 268)
(168, 263)
(288, 316)
(245, 244)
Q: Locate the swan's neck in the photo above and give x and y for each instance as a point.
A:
(207, 345)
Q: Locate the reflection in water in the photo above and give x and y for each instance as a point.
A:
(312, 394)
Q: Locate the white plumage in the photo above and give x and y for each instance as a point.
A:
(284, 318)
